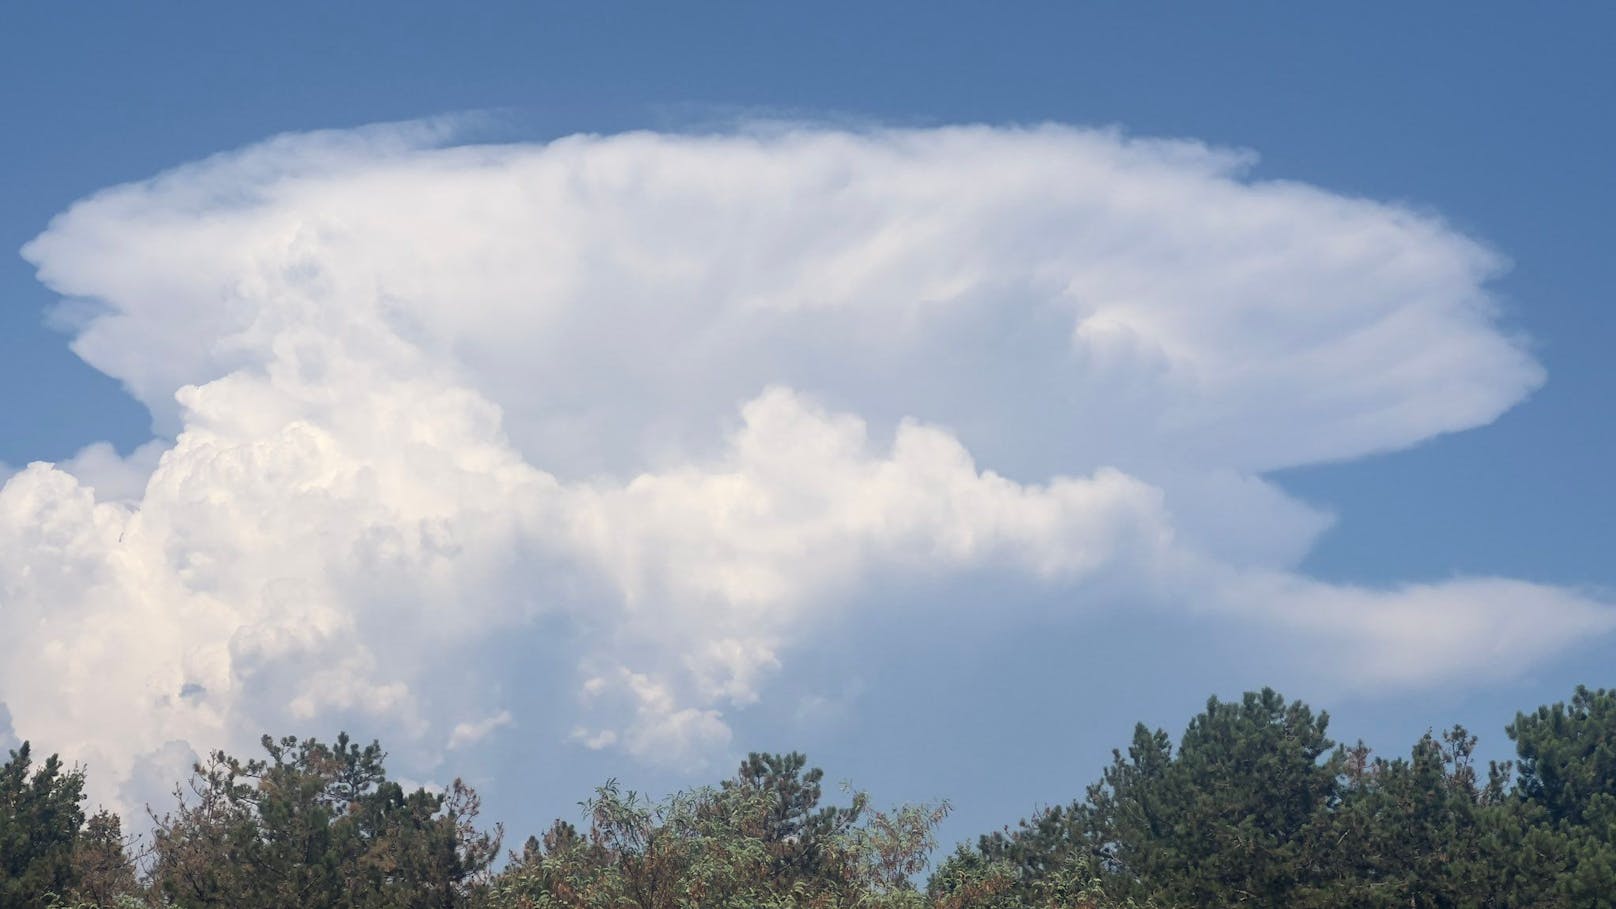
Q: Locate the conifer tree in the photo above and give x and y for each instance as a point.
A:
(316, 825)
(40, 819)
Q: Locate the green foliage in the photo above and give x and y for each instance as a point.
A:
(1415, 832)
(1233, 817)
(970, 879)
(797, 833)
(691, 849)
(1566, 798)
(118, 901)
(40, 817)
(760, 839)
(1568, 759)
(1255, 806)
(317, 825)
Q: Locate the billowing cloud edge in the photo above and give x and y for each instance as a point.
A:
(713, 384)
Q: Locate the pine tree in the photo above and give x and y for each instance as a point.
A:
(40, 819)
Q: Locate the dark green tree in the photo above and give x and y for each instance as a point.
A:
(318, 825)
(1567, 758)
(795, 829)
(1237, 815)
(1017, 863)
(1414, 832)
(40, 820)
(1565, 816)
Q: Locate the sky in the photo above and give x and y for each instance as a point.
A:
(581, 392)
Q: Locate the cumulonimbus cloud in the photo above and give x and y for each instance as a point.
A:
(712, 384)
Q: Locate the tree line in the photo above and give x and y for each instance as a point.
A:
(1253, 806)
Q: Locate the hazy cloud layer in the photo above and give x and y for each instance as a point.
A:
(684, 396)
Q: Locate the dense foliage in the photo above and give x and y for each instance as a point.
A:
(1253, 806)
(40, 822)
(317, 825)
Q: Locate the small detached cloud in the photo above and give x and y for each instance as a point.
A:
(680, 399)
(471, 733)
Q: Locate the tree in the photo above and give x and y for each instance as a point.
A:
(1235, 816)
(760, 839)
(318, 825)
(1567, 758)
(102, 870)
(40, 818)
(1019, 863)
(1415, 832)
(797, 833)
(1566, 798)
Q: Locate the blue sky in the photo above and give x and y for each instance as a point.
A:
(1488, 119)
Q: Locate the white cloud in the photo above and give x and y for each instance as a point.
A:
(1416, 634)
(689, 394)
(470, 733)
(113, 477)
(592, 739)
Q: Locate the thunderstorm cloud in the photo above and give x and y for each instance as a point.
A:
(677, 399)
